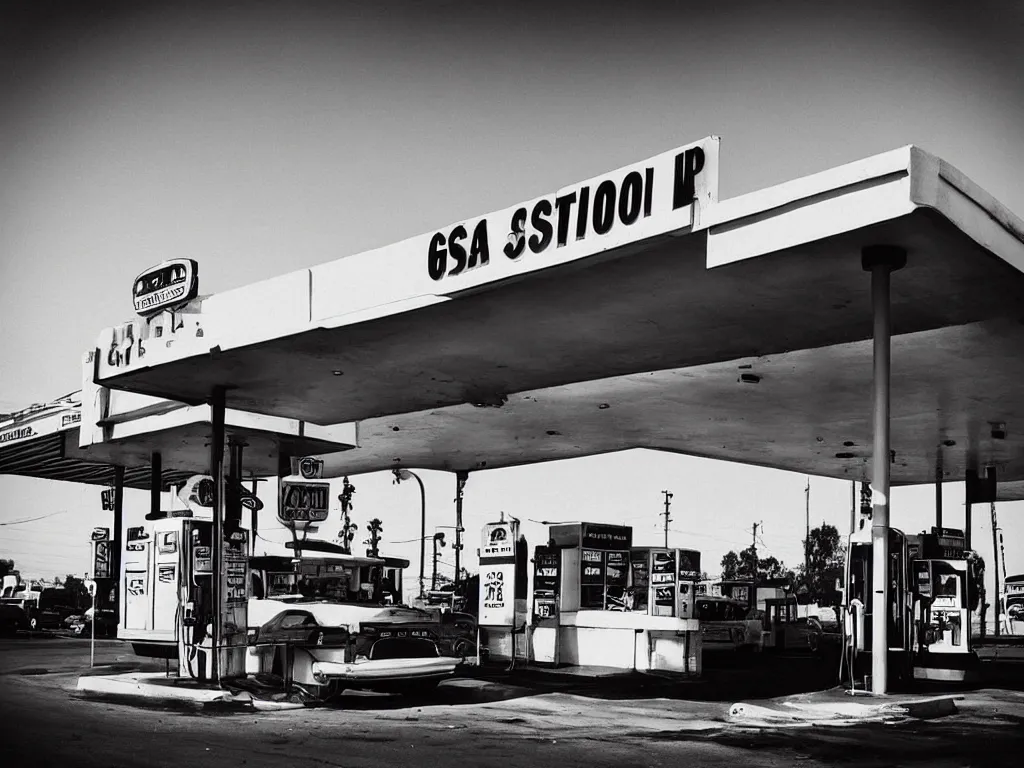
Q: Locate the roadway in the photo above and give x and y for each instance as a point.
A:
(469, 722)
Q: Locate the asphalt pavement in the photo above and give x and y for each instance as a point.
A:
(502, 722)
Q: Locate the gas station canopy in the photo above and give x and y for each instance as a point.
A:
(740, 330)
(71, 441)
(42, 442)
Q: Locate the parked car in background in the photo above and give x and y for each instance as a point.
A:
(81, 624)
(54, 605)
(785, 630)
(12, 618)
(458, 634)
(726, 626)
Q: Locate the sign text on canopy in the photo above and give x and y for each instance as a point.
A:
(659, 195)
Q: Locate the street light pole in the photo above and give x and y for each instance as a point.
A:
(405, 474)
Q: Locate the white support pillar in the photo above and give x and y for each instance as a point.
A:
(880, 261)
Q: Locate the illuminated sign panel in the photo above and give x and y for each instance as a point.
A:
(166, 286)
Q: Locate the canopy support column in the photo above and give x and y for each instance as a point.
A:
(156, 474)
(117, 545)
(880, 261)
(217, 407)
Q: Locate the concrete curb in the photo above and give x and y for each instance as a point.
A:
(134, 687)
(926, 709)
(794, 713)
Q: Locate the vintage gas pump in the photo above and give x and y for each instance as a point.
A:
(932, 586)
(665, 580)
(546, 585)
(946, 594)
(858, 617)
(196, 599)
(167, 582)
(503, 591)
(594, 573)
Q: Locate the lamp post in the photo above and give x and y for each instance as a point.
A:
(405, 474)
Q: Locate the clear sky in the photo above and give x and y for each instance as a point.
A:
(266, 137)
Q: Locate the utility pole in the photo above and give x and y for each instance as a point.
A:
(668, 503)
(753, 547)
(438, 539)
(460, 483)
(853, 506)
(995, 563)
(807, 541)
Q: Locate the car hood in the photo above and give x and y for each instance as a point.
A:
(349, 615)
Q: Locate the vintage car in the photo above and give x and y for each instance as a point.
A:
(725, 625)
(12, 618)
(324, 627)
(334, 646)
(81, 624)
(786, 631)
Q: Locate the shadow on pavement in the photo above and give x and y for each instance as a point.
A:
(1000, 743)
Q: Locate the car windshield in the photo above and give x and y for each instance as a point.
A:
(345, 587)
(716, 610)
(51, 598)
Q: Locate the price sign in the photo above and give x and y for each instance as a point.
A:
(304, 503)
(101, 560)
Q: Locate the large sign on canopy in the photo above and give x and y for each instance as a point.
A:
(659, 195)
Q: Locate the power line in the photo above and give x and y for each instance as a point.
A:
(33, 519)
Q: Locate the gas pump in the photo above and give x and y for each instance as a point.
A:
(168, 607)
(859, 618)
(664, 580)
(947, 581)
(931, 589)
(546, 584)
(196, 599)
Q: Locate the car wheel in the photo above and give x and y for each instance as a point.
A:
(463, 648)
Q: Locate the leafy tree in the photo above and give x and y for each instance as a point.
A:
(730, 565)
(747, 565)
(6, 567)
(825, 556)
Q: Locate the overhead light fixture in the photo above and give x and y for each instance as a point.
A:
(338, 373)
(749, 378)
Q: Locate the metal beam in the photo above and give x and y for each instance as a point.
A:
(217, 404)
(117, 545)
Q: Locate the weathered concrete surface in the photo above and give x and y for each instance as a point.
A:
(471, 723)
